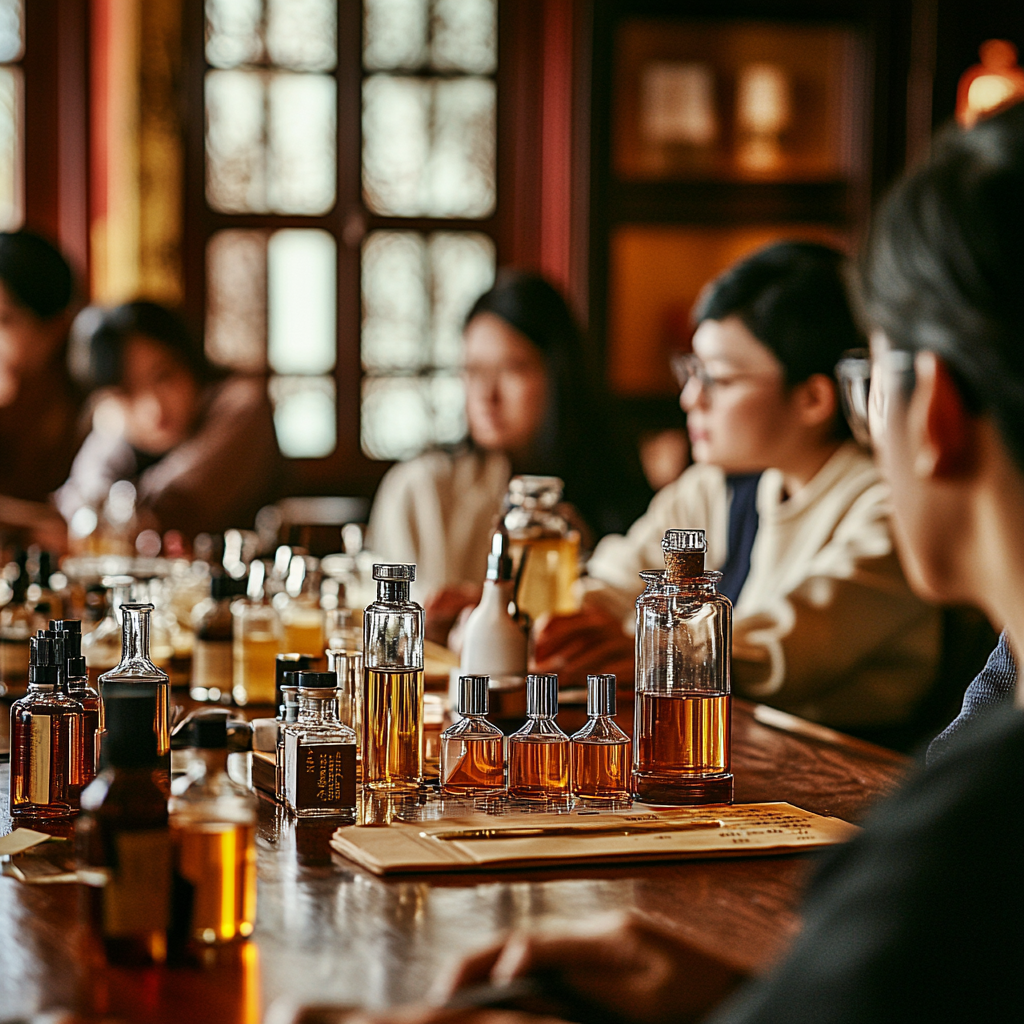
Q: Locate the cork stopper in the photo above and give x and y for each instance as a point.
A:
(684, 554)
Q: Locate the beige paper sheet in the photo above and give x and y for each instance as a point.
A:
(746, 830)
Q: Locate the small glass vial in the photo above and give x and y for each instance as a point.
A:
(122, 838)
(46, 738)
(538, 754)
(683, 693)
(348, 666)
(212, 668)
(287, 714)
(213, 832)
(472, 750)
(136, 669)
(600, 750)
(319, 753)
(393, 683)
(79, 688)
(257, 640)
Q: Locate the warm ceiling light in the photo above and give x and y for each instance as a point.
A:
(991, 85)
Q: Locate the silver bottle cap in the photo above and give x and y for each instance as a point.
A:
(545, 491)
(474, 695)
(394, 571)
(684, 540)
(542, 695)
(601, 695)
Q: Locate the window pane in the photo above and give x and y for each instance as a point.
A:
(11, 200)
(11, 30)
(428, 146)
(396, 311)
(396, 417)
(448, 398)
(304, 416)
(302, 164)
(461, 270)
(394, 34)
(303, 34)
(465, 36)
(233, 32)
(236, 299)
(235, 166)
(301, 301)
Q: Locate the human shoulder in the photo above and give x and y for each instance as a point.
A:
(698, 484)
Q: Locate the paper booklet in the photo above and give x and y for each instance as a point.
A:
(482, 843)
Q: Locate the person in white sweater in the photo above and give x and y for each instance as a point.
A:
(825, 625)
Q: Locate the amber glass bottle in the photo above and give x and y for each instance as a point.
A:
(538, 754)
(600, 750)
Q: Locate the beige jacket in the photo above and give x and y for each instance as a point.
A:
(439, 510)
(825, 626)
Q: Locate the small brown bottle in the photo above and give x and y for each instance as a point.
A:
(538, 754)
(600, 750)
(123, 839)
(212, 653)
(88, 696)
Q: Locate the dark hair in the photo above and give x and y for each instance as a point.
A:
(944, 266)
(35, 273)
(576, 441)
(151, 320)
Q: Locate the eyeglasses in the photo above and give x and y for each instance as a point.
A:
(687, 367)
(861, 392)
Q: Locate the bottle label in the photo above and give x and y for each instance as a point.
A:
(39, 759)
(136, 897)
(320, 774)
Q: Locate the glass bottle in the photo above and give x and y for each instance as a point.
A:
(600, 750)
(212, 624)
(101, 647)
(343, 632)
(319, 752)
(302, 618)
(257, 641)
(122, 837)
(393, 688)
(46, 738)
(286, 665)
(683, 662)
(538, 754)
(472, 750)
(85, 693)
(136, 669)
(550, 547)
(213, 833)
(348, 667)
(287, 714)
(18, 622)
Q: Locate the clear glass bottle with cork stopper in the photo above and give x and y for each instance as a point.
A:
(538, 754)
(319, 752)
(392, 745)
(683, 680)
(136, 669)
(600, 750)
(472, 750)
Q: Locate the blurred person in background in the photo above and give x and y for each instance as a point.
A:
(197, 442)
(40, 407)
(532, 406)
(797, 518)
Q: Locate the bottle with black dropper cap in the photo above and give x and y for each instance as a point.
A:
(82, 691)
(45, 737)
(122, 836)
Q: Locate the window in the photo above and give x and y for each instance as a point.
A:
(12, 45)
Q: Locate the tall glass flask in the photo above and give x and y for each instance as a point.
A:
(392, 746)
(683, 689)
(137, 669)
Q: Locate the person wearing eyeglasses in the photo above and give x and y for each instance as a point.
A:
(825, 625)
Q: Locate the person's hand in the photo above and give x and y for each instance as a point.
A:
(627, 967)
(443, 607)
(37, 523)
(587, 641)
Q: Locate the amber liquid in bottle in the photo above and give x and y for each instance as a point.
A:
(472, 766)
(682, 739)
(393, 728)
(218, 859)
(538, 768)
(46, 753)
(600, 771)
(92, 726)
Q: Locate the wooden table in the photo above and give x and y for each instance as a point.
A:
(327, 931)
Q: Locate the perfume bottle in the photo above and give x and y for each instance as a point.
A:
(600, 750)
(212, 669)
(122, 837)
(101, 647)
(257, 640)
(393, 688)
(319, 752)
(544, 547)
(683, 662)
(213, 834)
(538, 754)
(46, 738)
(472, 750)
(136, 669)
(79, 688)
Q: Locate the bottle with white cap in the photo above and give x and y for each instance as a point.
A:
(683, 680)
(538, 754)
(472, 750)
(600, 750)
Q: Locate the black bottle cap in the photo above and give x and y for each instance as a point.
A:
(42, 663)
(210, 731)
(317, 684)
(130, 713)
(288, 665)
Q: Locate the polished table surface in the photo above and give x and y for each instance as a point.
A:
(329, 932)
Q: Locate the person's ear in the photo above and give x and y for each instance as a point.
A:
(818, 400)
(945, 428)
